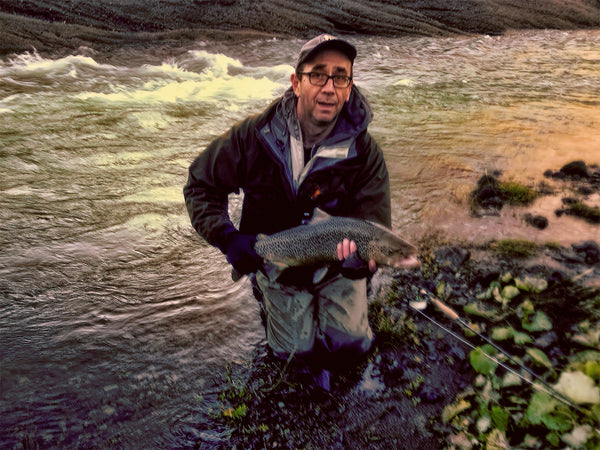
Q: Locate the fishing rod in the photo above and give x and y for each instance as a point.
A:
(450, 313)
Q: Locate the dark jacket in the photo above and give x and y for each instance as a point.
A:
(253, 156)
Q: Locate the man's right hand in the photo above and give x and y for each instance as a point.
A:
(241, 254)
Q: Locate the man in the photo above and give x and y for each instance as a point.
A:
(309, 149)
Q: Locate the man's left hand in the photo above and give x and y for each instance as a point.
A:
(352, 266)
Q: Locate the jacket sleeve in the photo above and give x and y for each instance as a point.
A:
(372, 185)
(212, 176)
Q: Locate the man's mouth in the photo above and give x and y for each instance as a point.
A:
(326, 105)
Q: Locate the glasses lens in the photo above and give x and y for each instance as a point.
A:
(340, 81)
(318, 79)
(321, 79)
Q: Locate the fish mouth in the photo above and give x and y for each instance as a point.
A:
(408, 262)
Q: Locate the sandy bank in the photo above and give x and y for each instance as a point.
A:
(58, 26)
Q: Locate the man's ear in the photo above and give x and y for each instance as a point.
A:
(349, 89)
(295, 83)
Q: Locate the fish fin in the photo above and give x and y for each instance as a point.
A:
(235, 275)
(320, 274)
(319, 216)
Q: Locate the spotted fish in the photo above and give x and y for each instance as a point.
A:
(316, 243)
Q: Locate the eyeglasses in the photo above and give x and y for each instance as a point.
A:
(321, 79)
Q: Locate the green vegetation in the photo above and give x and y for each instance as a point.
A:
(580, 209)
(391, 330)
(232, 400)
(501, 410)
(515, 248)
(517, 194)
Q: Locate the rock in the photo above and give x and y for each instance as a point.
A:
(546, 340)
(429, 394)
(569, 201)
(488, 193)
(589, 251)
(576, 170)
(539, 222)
(451, 258)
(585, 190)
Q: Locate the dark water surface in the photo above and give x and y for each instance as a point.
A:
(115, 318)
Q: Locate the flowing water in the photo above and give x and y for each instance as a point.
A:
(115, 318)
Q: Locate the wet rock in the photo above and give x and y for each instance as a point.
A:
(539, 222)
(488, 193)
(546, 340)
(589, 251)
(549, 173)
(575, 170)
(457, 353)
(429, 394)
(585, 190)
(569, 255)
(569, 201)
(451, 258)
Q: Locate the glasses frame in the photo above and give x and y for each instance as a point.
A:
(332, 77)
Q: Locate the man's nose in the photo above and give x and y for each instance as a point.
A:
(328, 86)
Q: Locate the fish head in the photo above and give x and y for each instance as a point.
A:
(389, 249)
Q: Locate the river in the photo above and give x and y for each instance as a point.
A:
(116, 319)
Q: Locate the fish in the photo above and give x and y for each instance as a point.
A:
(315, 243)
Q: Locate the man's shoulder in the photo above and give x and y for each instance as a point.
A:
(259, 119)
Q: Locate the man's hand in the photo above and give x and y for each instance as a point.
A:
(241, 254)
(352, 266)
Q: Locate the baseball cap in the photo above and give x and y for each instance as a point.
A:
(322, 42)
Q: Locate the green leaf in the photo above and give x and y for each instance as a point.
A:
(510, 292)
(590, 338)
(440, 289)
(522, 338)
(236, 413)
(481, 362)
(527, 308)
(497, 441)
(540, 322)
(557, 422)
(483, 424)
(592, 369)
(502, 333)
(539, 357)
(451, 411)
(477, 309)
(553, 439)
(500, 417)
(539, 405)
(507, 277)
(578, 436)
(511, 379)
(584, 356)
(531, 284)
(578, 387)
(498, 295)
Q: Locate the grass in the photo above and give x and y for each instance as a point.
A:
(389, 329)
(515, 248)
(580, 209)
(517, 194)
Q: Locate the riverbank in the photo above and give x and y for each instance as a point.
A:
(59, 27)
(426, 384)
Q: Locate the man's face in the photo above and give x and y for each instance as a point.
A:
(320, 105)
